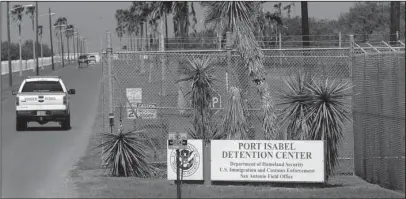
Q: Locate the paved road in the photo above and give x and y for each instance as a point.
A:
(36, 162)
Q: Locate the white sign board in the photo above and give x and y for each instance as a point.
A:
(147, 111)
(134, 96)
(192, 161)
(267, 160)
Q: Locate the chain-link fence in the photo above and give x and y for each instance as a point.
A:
(379, 117)
(276, 41)
(150, 78)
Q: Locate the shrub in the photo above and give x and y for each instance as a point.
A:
(124, 154)
(317, 110)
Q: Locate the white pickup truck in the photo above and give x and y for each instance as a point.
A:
(42, 99)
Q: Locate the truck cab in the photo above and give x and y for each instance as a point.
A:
(42, 100)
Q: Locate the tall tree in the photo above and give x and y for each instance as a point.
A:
(288, 8)
(237, 17)
(60, 24)
(68, 34)
(17, 14)
(120, 23)
(137, 21)
(40, 27)
(30, 11)
(161, 10)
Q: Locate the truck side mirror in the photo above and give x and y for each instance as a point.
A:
(71, 91)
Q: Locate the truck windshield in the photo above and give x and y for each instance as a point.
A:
(42, 86)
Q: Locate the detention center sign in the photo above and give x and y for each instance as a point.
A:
(268, 160)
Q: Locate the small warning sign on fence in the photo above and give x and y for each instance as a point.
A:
(134, 96)
(147, 111)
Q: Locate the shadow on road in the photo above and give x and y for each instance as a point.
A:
(47, 128)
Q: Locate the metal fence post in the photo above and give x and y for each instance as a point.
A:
(397, 35)
(229, 49)
(103, 101)
(350, 67)
(219, 41)
(351, 55)
(339, 39)
(280, 47)
(163, 61)
(109, 52)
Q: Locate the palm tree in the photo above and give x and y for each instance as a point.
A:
(68, 33)
(61, 25)
(120, 23)
(126, 21)
(31, 12)
(288, 8)
(146, 11)
(180, 11)
(17, 15)
(40, 39)
(153, 23)
(237, 17)
(119, 31)
(135, 22)
(160, 11)
(136, 12)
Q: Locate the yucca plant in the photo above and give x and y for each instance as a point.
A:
(328, 112)
(317, 110)
(124, 154)
(215, 129)
(296, 101)
(199, 73)
(234, 124)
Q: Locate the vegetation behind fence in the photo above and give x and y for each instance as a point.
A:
(157, 74)
(378, 100)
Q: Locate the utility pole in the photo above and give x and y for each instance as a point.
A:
(60, 33)
(36, 36)
(50, 35)
(10, 69)
(305, 24)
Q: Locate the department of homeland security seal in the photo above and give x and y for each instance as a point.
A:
(189, 158)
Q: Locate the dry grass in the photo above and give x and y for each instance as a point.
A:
(92, 182)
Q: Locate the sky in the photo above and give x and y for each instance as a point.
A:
(93, 19)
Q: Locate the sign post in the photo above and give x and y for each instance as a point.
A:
(177, 141)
